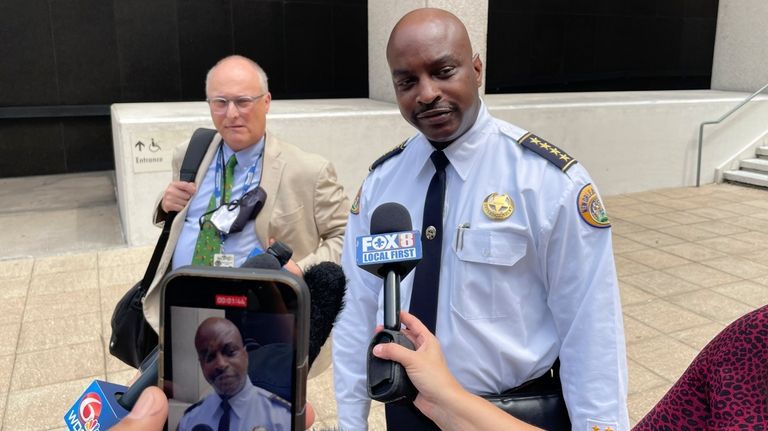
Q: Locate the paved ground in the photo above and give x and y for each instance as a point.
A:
(689, 260)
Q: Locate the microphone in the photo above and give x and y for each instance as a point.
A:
(104, 404)
(278, 251)
(327, 286)
(391, 251)
(201, 427)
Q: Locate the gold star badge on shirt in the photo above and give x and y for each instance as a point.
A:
(498, 207)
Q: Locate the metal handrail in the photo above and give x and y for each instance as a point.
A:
(726, 115)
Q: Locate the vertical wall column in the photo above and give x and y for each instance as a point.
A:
(741, 45)
(382, 16)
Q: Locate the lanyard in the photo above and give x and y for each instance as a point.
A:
(221, 179)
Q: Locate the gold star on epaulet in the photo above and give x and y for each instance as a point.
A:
(554, 155)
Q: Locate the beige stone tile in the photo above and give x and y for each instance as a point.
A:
(699, 336)
(652, 221)
(666, 356)
(664, 316)
(688, 233)
(52, 306)
(759, 239)
(623, 245)
(632, 295)
(701, 275)
(125, 256)
(691, 251)
(739, 267)
(623, 212)
(712, 214)
(11, 310)
(749, 292)
(729, 245)
(686, 218)
(677, 204)
(621, 227)
(14, 288)
(43, 407)
(9, 336)
(750, 223)
(376, 421)
(16, 268)
(641, 378)
(63, 282)
(655, 258)
(636, 331)
(712, 305)
(62, 331)
(65, 263)
(653, 238)
(626, 266)
(721, 227)
(57, 365)
(619, 200)
(6, 366)
(679, 193)
(739, 208)
(649, 196)
(320, 393)
(759, 256)
(120, 275)
(659, 283)
(640, 403)
(3, 400)
(649, 208)
(758, 203)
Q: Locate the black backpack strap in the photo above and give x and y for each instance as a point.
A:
(198, 146)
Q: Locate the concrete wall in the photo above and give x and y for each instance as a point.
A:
(629, 141)
(383, 15)
(741, 46)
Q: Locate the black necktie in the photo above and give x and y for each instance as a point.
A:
(224, 421)
(426, 281)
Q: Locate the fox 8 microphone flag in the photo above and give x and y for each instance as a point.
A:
(388, 248)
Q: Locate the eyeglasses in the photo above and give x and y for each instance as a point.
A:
(220, 105)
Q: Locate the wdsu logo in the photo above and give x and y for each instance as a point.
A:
(86, 415)
(388, 247)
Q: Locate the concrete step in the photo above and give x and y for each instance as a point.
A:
(762, 151)
(747, 177)
(759, 165)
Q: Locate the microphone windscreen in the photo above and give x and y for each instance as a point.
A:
(262, 261)
(390, 217)
(327, 285)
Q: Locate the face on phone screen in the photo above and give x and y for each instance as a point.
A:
(229, 355)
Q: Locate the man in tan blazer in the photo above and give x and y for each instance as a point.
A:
(305, 208)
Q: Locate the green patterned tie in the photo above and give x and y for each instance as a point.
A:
(209, 240)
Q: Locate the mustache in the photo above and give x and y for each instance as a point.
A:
(434, 109)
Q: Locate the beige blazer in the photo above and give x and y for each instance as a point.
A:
(306, 208)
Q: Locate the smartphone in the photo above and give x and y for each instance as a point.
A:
(233, 349)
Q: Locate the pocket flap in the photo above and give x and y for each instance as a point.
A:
(492, 247)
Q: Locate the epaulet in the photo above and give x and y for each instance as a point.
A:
(554, 155)
(277, 399)
(388, 155)
(193, 406)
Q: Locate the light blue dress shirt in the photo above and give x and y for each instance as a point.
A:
(239, 244)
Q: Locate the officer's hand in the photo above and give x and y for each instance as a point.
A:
(426, 366)
(149, 413)
(177, 195)
(293, 268)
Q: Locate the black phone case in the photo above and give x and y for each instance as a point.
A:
(188, 298)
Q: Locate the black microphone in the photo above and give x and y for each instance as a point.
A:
(391, 252)
(201, 427)
(262, 261)
(327, 286)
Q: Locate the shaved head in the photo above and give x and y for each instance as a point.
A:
(435, 75)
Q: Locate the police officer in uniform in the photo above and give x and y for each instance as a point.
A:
(236, 403)
(525, 265)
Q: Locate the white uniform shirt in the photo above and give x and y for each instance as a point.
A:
(240, 244)
(514, 294)
(253, 408)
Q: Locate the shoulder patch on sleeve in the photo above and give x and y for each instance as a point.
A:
(193, 406)
(591, 208)
(554, 155)
(388, 155)
(355, 208)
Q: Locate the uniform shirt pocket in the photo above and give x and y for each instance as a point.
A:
(482, 282)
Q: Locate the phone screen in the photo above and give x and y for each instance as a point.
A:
(230, 345)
